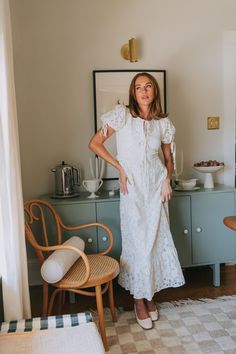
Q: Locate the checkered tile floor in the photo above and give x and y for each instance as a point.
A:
(192, 327)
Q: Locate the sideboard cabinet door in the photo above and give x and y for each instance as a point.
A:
(76, 214)
(108, 213)
(212, 240)
(180, 225)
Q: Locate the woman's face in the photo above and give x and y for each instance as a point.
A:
(144, 91)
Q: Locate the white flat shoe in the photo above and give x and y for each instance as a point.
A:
(154, 315)
(146, 323)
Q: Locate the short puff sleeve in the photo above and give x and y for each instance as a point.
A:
(167, 136)
(115, 119)
(167, 131)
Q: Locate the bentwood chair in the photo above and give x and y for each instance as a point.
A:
(89, 271)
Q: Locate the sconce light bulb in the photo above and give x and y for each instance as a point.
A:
(133, 50)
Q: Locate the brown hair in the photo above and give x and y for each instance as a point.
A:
(155, 111)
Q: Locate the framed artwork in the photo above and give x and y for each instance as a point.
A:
(111, 87)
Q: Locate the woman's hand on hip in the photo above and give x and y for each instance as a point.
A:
(123, 180)
(166, 192)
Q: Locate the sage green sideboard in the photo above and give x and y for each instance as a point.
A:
(196, 220)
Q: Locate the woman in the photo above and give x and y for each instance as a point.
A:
(149, 261)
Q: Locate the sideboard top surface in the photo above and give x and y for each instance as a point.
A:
(104, 195)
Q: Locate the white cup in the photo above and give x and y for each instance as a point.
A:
(92, 186)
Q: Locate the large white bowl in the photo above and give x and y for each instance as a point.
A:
(208, 169)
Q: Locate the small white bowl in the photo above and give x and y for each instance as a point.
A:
(187, 183)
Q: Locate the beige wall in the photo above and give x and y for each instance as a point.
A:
(58, 43)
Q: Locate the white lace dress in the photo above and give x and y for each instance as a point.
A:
(149, 261)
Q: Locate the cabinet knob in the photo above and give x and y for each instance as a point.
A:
(185, 231)
(198, 229)
(90, 240)
(104, 238)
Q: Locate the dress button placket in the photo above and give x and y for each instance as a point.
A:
(145, 162)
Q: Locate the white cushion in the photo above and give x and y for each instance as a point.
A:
(60, 261)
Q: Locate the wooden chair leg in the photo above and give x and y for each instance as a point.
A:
(61, 301)
(63, 298)
(111, 301)
(52, 299)
(101, 316)
(45, 299)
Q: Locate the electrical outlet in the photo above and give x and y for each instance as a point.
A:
(213, 123)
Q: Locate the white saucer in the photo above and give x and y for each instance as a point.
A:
(58, 196)
(186, 190)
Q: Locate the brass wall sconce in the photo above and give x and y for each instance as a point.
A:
(129, 50)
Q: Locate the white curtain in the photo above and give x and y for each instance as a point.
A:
(13, 260)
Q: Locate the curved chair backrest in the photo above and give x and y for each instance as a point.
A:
(42, 224)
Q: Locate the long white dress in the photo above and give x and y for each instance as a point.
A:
(149, 261)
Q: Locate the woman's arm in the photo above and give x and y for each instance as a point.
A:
(166, 187)
(96, 144)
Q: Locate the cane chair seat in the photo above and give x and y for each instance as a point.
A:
(89, 271)
(102, 270)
